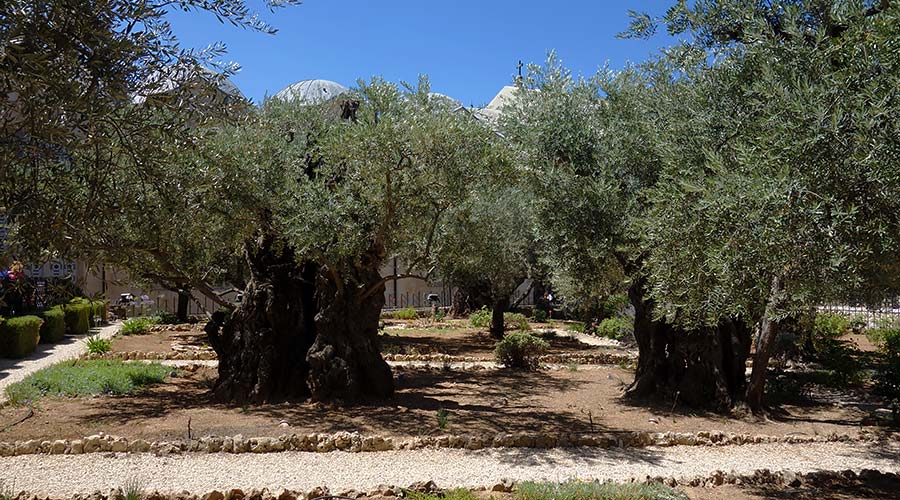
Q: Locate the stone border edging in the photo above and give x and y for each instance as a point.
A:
(580, 359)
(355, 442)
(761, 477)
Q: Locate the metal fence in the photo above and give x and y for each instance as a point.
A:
(872, 315)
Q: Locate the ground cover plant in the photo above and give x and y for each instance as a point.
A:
(520, 350)
(85, 378)
(97, 345)
(138, 326)
(593, 490)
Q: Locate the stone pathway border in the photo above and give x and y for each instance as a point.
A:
(355, 442)
(48, 354)
(298, 471)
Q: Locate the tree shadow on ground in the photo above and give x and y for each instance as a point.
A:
(7, 366)
(468, 343)
(587, 457)
(877, 489)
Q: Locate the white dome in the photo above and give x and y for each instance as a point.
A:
(312, 91)
(163, 82)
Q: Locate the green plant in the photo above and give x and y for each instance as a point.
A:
(884, 327)
(443, 418)
(887, 371)
(78, 316)
(615, 328)
(97, 345)
(99, 310)
(480, 318)
(841, 362)
(54, 327)
(455, 494)
(166, 318)
(829, 326)
(439, 315)
(86, 377)
(539, 315)
(137, 326)
(517, 321)
(406, 313)
(520, 350)
(593, 490)
(19, 336)
(577, 326)
(133, 489)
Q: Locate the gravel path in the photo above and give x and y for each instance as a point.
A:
(14, 370)
(198, 473)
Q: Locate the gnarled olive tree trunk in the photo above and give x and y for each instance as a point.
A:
(499, 308)
(345, 361)
(301, 331)
(701, 368)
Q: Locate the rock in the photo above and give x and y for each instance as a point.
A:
(139, 446)
(58, 447)
(29, 447)
(213, 495)
(241, 445)
(284, 494)
(92, 443)
(385, 491)
(791, 479)
(424, 487)
(77, 447)
(119, 445)
(318, 491)
(869, 475)
(234, 494)
(504, 486)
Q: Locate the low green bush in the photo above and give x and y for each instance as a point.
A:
(577, 326)
(405, 313)
(137, 326)
(539, 315)
(615, 328)
(887, 371)
(455, 494)
(19, 336)
(829, 326)
(593, 490)
(516, 320)
(83, 378)
(54, 327)
(884, 327)
(520, 350)
(97, 345)
(166, 318)
(78, 317)
(480, 318)
(99, 310)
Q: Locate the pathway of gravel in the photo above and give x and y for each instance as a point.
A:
(14, 370)
(198, 473)
(454, 365)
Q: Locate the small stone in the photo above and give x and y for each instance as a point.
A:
(119, 445)
(318, 491)
(58, 447)
(92, 443)
(77, 447)
(213, 495)
(424, 487)
(234, 494)
(504, 486)
(284, 494)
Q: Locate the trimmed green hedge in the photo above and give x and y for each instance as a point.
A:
(54, 327)
(99, 311)
(19, 336)
(78, 317)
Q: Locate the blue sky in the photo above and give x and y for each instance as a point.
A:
(468, 48)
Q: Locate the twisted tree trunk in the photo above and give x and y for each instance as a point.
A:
(764, 347)
(301, 331)
(344, 361)
(700, 368)
(497, 325)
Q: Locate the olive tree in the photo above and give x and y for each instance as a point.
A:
(323, 194)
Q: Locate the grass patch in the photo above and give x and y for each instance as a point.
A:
(455, 494)
(86, 377)
(583, 490)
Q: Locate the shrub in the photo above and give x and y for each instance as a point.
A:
(829, 326)
(539, 315)
(137, 326)
(166, 318)
(593, 490)
(99, 310)
(520, 350)
(82, 378)
(78, 317)
(480, 318)
(406, 313)
(516, 320)
(615, 328)
(887, 371)
(577, 326)
(841, 362)
(54, 327)
(19, 336)
(884, 327)
(97, 345)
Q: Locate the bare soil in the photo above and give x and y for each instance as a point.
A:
(165, 339)
(458, 339)
(484, 401)
(873, 489)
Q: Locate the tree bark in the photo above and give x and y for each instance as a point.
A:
(699, 368)
(184, 297)
(497, 325)
(262, 346)
(764, 346)
(345, 361)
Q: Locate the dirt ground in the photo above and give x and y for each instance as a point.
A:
(877, 489)
(164, 339)
(486, 401)
(458, 339)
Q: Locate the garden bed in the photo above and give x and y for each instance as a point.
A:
(552, 402)
(165, 339)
